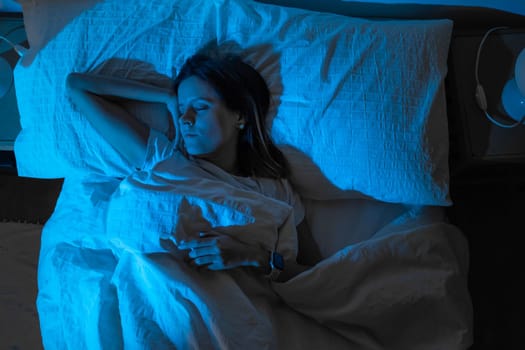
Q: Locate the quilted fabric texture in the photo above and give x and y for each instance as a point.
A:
(359, 105)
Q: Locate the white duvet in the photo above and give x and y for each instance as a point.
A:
(110, 283)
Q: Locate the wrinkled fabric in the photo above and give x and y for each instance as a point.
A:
(108, 280)
(361, 102)
(404, 288)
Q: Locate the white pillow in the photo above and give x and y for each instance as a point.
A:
(359, 104)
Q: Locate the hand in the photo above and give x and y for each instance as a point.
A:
(216, 251)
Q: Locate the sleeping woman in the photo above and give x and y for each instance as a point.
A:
(222, 105)
(204, 244)
(228, 223)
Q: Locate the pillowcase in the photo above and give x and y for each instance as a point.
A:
(44, 19)
(359, 105)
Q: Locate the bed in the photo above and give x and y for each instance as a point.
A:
(359, 111)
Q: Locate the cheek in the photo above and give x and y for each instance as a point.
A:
(210, 138)
(211, 131)
(219, 127)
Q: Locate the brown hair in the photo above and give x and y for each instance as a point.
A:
(243, 90)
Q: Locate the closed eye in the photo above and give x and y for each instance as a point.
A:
(195, 109)
(195, 105)
(200, 107)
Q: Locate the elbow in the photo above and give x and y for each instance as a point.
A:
(72, 81)
(72, 88)
(77, 87)
(82, 83)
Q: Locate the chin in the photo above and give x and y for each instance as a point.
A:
(194, 151)
(197, 153)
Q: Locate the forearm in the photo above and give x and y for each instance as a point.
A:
(219, 252)
(127, 134)
(119, 88)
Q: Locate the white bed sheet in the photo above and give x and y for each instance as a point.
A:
(19, 249)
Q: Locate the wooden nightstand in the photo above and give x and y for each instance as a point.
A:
(487, 166)
(481, 152)
(12, 28)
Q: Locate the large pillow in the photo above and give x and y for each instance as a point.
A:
(359, 105)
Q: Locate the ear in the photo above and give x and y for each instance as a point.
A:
(241, 122)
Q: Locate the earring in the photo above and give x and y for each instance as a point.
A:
(241, 126)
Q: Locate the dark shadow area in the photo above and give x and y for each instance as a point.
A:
(487, 187)
(27, 200)
(8, 162)
(491, 219)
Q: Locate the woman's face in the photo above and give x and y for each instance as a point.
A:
(208, 128)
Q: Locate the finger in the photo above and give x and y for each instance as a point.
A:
(208, 234)
(202, 251)
(197, 243)
(216, 266)
(205, 260)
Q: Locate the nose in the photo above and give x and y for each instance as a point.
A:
(187, 118)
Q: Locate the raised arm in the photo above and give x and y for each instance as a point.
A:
(97, 98)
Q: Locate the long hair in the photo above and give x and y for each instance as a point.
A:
(244, 91)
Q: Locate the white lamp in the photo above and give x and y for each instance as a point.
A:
(513, 95)
(6, 77)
